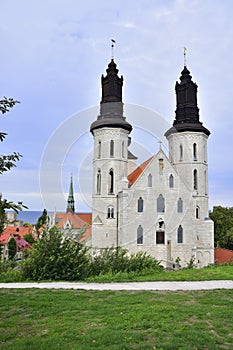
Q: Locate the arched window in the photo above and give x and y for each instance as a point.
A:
(111, 181)
(140, 205)
(160, 204)
(149, 180)
(180, 206)
(110, 213)
(98, 183)
(171, 181)
(195, 179)
(99, 149)
(197, 213)
(139, 235)
(180, 234)
(194, 151)
(181, 152)
(111, 148)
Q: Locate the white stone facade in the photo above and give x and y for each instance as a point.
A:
(161, 207)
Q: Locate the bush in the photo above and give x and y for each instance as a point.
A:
(115, 260)
(56, 258)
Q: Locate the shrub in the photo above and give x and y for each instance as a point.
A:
(56, 258)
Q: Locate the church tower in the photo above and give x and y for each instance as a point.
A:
(110, 161)
(188, 143)
(70, 201)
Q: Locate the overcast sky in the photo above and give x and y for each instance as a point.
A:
(53, 53)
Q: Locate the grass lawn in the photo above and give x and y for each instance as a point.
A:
(208, 273)
(82, 320)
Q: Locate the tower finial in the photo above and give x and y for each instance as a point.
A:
(185, 49)
(112, 46)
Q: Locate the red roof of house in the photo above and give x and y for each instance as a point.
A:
(222, 255)
(132, 178)
(86, 217)
(14, 231)
(21, 243)
(75, 220)
(86, 235)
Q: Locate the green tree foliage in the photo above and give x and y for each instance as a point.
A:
(223, 226)
(42, 220)
(6, 163)
(12, 248)
(55, 258)
(29, 238)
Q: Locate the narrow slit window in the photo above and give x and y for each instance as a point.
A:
(111, 148)
(98, 185)
(181, 152)
(111, 181)
(140, 205)
(195, 179)
(180, 234)
(140, 235)
(99, 149)
(194, 151)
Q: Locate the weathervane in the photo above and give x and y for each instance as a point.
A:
(112, 46)
(185, 56)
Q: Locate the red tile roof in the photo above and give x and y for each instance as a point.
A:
(76, 220)
(222, 255)
(86, 217)
(21, 243)
(132, 178)
(13, 231)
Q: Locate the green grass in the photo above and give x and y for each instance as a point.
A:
(82, 320)
(215, 272)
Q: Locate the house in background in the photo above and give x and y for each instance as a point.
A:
(18, 233)
(74, 225)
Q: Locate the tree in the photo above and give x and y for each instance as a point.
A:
(223, 226)
(29, 238)
(12, 248)
(6, 163)
(42, 221)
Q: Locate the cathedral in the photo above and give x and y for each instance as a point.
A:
(161, 206)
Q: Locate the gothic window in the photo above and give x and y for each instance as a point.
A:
(161, 165)
(195, 179)
(111, 148)
(111, 181)
(180, 206)
(139, 235)
(149, 180)
(160, 237)
(180, 234)
(110, 213)
(197, 213)
(194, 151)
(98, 187)
(181, 152)
(140, 205)
(171, 181)
(99, 149)
(160, 204)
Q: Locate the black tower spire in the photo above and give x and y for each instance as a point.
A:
(111, 106)
(187, 111)
(70, 201)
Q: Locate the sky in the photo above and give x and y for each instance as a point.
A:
(53, 54)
